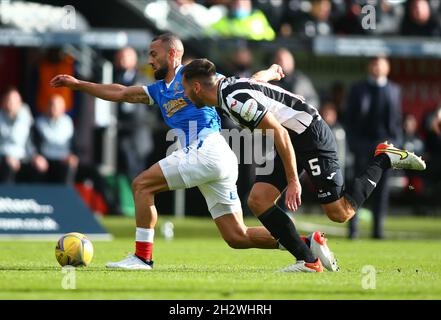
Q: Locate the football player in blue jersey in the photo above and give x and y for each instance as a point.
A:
(205, 161)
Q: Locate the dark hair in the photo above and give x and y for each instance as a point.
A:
(8, 90)
(202, 69)
(378, 57)
(171, 40)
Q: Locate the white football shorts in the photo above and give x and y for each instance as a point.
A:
(210, 165)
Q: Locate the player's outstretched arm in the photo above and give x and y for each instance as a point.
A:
(286, 152)
(273, 73)
(110, 92)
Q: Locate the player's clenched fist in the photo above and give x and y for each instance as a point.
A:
(278, 72)
(64, 80)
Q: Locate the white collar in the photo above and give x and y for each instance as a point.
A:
(176, 72)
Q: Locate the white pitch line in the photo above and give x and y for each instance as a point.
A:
(340, 231)
(311, 227)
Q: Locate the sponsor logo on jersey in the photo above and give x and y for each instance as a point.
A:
(249, 110)
(174, 106)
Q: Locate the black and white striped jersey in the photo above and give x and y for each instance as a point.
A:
(246, 102)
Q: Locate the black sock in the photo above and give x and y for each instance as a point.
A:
(282, 228)
(365, 183)
(149, 262)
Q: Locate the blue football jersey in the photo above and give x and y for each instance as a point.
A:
(180, 113)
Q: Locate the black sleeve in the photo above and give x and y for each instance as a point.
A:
(247, 110)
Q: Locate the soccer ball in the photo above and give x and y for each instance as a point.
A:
(74, 249)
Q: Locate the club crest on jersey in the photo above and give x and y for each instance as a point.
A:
(177, 86)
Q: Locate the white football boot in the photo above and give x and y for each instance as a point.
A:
(302, 266)
(132, 262)
(319, 247)
(400, 158)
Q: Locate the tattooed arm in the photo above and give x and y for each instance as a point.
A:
(110, 92)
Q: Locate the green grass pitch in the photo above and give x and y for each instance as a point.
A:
(197, 264)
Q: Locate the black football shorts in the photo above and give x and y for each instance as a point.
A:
(316, 153)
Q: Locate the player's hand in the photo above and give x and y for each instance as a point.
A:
(13, 163)
(72, 160)
(40, 163)
(293, 199)
(278, 72)
(64, 80)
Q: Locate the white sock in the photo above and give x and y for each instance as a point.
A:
(145, 235)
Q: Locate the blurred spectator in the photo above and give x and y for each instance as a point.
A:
(386, 20)
(433, 150)
(295, 81)
(54, 160)
(243, 21)
(15, 126)
(411, 139)
(168, 15)
(373, 115)
(275, 10)
(242, 62)
(350, 21)
(413, 142)
(338, 95)
(200, 14)
(389, 16)
(314, 22)
(135, 137)
(54, 62)
(328, 111)
(419, 20)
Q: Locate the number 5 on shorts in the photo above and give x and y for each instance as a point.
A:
(315, 168)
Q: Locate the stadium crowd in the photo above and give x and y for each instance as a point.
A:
(268, 19)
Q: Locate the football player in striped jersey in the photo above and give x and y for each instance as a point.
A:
(303, 141)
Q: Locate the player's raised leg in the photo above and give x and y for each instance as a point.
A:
(144, 187)
(386, 157)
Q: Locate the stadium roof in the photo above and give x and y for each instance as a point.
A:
(111, 39)
(35, 17)
(30, 24)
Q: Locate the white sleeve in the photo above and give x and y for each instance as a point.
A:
(151, 100)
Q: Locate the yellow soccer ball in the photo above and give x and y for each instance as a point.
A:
(74, 249)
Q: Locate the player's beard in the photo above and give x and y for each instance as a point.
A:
(161, 73)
